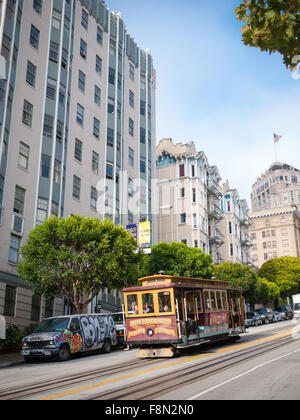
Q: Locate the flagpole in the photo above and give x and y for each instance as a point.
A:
(275, 151)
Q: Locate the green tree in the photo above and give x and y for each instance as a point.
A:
(284, 272)
(77, 257)
(267, 291)
(272, 26)
(177, 259)
(239, 275)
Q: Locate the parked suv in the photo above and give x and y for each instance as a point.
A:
(286, 312)
(267, 315)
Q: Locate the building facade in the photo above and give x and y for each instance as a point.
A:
(235, 226)
(279, 186)
(274, 233)
(77, 115)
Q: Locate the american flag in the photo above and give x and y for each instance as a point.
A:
(277, 138)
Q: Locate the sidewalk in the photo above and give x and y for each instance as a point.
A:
(11, 359)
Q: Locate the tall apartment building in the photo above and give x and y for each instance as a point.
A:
(279, 186)
(275, 233)
(274, 229)
(188, 198)
(77, 133)
(235, 226)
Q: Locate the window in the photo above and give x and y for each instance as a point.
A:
(229, 227)
(219, 301)
(131, 156)
(53, 53)
(231, 250)
(194, 195)
(57, 171)
(97, 95)
(94, 197)
(213, 300)
(85, 19)
(181, 170)
(76, 187)
(98, 65)
(83, 49)
(132, 304)
(142, 135)
(111, 76)
(284, 232)
(48, 126)
(96, 128)
(207, 302)
(110, 105)
(80, 114)
(112, 47)
(81, 81)
(143, 108)
(27, 113)
(49, 308)
(198, 302)
(182, 192)
(148, 304)
(56, 19)
(23, 155)
(19, 200)
(130, 187)
(14, 247)
(131, 71)
(42, 210)
(285, 242)
(183, 218)
(31, 73)
(164, 302)
(95, 162)
(110, 137)
(131, 98)
(195, 221)
(45, 166)
(51, 88)
(143, 165)
(109, 171)
(78, 150)
(224, 301)
(193, 171)
(10, 301)
(131, 127)
(36, 308)
(99, 35)
(37, 5)
(34, 37)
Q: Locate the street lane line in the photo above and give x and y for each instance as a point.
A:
(165, 365)
(213, 388)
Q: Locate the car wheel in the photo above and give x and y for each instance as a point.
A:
(106, 346)
(63, 353)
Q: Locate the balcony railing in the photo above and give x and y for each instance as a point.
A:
(214, 212)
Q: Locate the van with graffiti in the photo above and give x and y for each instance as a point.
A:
(62, 336)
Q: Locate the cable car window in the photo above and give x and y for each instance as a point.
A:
(207, 302)
(199, 303)
(132, 304)
(189, 298)
(213, 301)
(219, 301)
(148, 304)
(224, 300)
(164, 301)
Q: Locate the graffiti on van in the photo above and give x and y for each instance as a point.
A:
(94, 329)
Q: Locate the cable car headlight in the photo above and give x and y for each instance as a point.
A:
(150, 332)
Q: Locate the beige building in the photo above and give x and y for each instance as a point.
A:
(235, 227)
(274, 233)
(278, 186)
(77, 131)
(194, 208)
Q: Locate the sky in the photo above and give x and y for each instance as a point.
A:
(212, 89)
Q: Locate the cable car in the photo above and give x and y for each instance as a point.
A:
(166, 314)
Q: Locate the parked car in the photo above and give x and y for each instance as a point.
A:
(253, 319)
(278, 316)
(267, 315)
(286, 312)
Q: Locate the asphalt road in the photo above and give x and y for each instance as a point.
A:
(253, 368)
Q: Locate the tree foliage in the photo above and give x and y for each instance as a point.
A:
(272, 26)
(239, 275)
(284, 272)
(177, 259)
(77, 257)
(267, 291)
